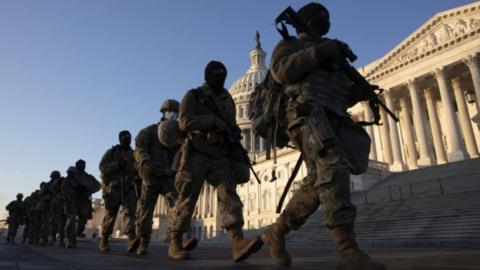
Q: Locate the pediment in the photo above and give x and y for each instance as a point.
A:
(442, 30)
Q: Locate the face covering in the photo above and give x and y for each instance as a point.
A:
(169, 115)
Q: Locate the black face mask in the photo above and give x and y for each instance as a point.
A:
(320, 23)
(216, 79)
(80, 167)
(125, 140)
(215, 75)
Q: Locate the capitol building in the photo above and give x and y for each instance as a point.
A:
(431, 80)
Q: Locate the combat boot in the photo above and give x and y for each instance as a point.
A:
(175, 249)
(274, 237)
(189, 244)
(142, 246)
(61, 242)
(132, 242)
(243, 248)
(103, 244)
(52, 241)
(348, 254)
(71, 242)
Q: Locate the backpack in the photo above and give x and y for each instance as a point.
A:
(267, 112)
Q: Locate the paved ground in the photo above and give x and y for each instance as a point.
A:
(209, 257)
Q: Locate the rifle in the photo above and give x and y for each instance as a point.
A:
(289, 16)
(234, 140)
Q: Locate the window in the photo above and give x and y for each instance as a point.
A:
(266, 197)
(252, 202)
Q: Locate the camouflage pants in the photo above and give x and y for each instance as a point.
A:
(72, 210)
(327, 184)
(147, 202)
(13, 224)
(189, 181)
(113, 201)
(45, 220)
(57, 223)
(34, 228)
(85, 212)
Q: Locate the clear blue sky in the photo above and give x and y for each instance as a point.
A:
(74, 73)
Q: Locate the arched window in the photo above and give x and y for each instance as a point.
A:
(266, 200)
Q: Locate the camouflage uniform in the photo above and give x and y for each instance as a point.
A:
(89, 185)
(16, 217)
(45, 214)
(33, 215)
(75, 188)
(119, 175)
(333, 146)
(154, 162)
(57, 223)
(207, 156)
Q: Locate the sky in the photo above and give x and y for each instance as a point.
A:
(73, 73)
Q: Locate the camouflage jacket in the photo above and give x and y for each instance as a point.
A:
(116, 165)
(16, 208)
(300, 66)
(200, 121)
(153, 159)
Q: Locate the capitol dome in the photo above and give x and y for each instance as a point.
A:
(241, 90)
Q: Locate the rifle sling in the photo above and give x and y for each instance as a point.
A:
(289, 183)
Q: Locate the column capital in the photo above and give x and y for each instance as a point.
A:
(455, 82)
(428, 93)
(439, 73)
(411, 84)
(471, 59)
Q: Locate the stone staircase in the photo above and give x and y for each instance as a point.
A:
(449, 220)
(437, 206)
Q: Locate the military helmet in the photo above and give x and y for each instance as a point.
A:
(19, 196)
(169, 133)
(71, 170)
(55, 174)
(170, 105)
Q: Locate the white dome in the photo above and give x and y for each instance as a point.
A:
(254, 75)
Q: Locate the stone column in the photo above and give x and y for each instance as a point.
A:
(385, 136)
(464, 119)
(369, 129)
(454, 150)
(418, 120)
(252, 139)
(472, 61)
(409, 140)
(435, 125)
(397, 164)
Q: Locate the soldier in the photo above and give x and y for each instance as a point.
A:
(119, 178)
(44, 207)
(69, 189)
(33, 214)
(207, 114)
(332, 145)
(154, 161)
(26, 228)
(16, 217)
(57, 223)
(90, 185)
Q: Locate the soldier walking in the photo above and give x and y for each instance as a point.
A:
(154, 162)
(333, 146)
(119, 178)
(16, 217)
(57, 223)
(207, 115)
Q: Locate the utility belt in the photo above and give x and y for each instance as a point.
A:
(211, 138)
